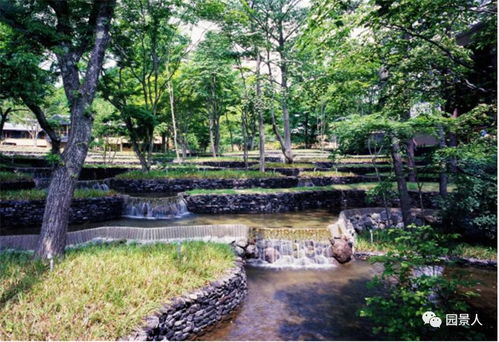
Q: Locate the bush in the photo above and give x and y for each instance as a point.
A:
(414, 284)
(37, 194)
(6, 176)
(193, 173)
(471, 209)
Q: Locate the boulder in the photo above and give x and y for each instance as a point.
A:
(251, 251)
(271, 255)
(342, 250)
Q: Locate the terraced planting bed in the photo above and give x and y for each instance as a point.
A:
(127, 283)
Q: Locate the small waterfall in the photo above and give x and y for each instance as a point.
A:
(295, 248)
(93, 184)
(155, 208)
(293, 254)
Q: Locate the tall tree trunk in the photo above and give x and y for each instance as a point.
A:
(411, 161)
(217, 135)
(307, 145)
(259, 108)
(212, 136)
(163, 142)
(3, 118)
(52, 239)
(231, 137)
(174, 121)
(453, 143)
(398, 167)
(443, 177)
(275, 129)
(288, 153)
(244, 130)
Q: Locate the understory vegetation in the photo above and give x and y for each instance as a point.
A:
(383, 241)
(100, 292)
(6, 176)
(427, 187)
(415, 282)
(192, 173)
(39, 194)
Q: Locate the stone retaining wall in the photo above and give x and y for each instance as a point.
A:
(174, 185)
(285, 201)
(30, 213)
(17, 185)
(324, 181)
(190, 316)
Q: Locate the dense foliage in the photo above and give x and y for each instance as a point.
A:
(414, 279)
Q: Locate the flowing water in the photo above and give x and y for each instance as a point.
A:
(304, 304)
(154, 208)
(300, 304)
(312, 219)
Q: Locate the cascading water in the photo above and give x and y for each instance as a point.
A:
(155, 208)
(293, 251)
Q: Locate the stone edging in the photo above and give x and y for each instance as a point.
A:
(220, 232)
(191, 315)
(29, 213)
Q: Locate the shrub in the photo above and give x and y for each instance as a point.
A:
(193, 173)
(471, 209)
(6, 176)
(37, 194)
(414, 285)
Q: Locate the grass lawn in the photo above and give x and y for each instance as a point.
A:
(215, 159)
(37, 194)
(382, 242)
(272, 165)
(326, 174)
(6, 176)
(110, 165)
(361, 159)
(100, 292)
(192, 173)
(428, 187)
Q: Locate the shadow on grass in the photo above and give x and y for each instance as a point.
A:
(18, 274)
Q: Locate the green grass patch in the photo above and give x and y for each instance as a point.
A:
(100, 292)
(382, 242)
(273, 165)
(192, 173)
(214, 159)
(110, 165)
(362, 160)
(428, 187)
(326, 174)
(362, 166)
(386, 174)
(6, 176)
(38, 194)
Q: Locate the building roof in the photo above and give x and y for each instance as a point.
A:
(17, 127)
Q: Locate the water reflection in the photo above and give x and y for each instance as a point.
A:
(301, 305)
(293, 304)
(304, 219)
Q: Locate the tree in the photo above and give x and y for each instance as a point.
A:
(414, 282)
(23, 82)
(279, 21)
(212, 81)
(247, 44)
(148, 48)
(69, 30)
